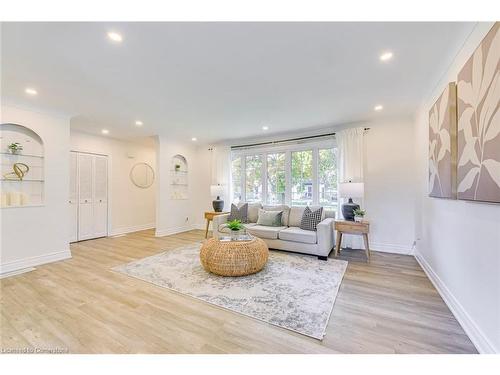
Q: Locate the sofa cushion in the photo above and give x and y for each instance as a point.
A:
(270, 218)
(253, 211)
(239, 213)
(295, 234)
(280, 207)
(296, 213)
(262, 231)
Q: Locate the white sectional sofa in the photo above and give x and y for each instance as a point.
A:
(289, 236)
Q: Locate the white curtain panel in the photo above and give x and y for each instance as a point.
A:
(350, 168)
(221, 170)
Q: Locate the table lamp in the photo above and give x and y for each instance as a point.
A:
(350, 190)
(217, 191)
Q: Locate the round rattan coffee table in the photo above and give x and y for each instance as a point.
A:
(234, 258)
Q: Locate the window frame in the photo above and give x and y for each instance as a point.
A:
(315, 146)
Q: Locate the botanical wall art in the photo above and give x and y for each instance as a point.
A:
(442, 145)
(478, 95)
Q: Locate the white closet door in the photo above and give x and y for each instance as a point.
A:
(85, 206)
(73, 196)
(100, 180)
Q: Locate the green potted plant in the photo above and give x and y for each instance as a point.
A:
(177, 167)
(359, 214)
(235, 226)
(15, 148)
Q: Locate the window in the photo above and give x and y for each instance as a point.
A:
(298, 175)
(276, 178)
(327, 174)
(302, 178)
(253, 177)
(236, 179)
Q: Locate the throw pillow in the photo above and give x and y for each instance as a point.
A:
(239, 213)
(311, 219)
(269, 218)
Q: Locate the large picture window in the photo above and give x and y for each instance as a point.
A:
(298, 175)
(276, 180)
(302, 178)
(253, 175)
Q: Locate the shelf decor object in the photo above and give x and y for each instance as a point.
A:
(443, 145)
(350, 190)
(217, 191)
(21, 167)
(142, 175)
(478, 93)
(179, 182)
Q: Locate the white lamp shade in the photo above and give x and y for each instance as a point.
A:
(351, 189)
(216, 190)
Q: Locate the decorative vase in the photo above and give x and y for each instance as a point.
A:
(348, 210)
(358, 218)
(218, 204)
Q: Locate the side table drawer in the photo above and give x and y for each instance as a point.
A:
(353, 228)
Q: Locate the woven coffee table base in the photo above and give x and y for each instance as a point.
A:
(235, 258)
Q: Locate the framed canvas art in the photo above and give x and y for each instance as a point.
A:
(478, 95)
(442, 144)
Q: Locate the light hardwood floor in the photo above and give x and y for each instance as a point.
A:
(387, 306)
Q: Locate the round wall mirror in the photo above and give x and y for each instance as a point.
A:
(142, 175)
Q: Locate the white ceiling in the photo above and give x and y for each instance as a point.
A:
(219, 81)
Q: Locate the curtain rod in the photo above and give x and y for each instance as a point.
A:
(285, 140)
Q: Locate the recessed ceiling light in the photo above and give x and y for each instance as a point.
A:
(30, 91)
(115, 37)
(378, 108)
(139, 123)
(265, 127)
(105, 131)
(194, 139)
(386, 56)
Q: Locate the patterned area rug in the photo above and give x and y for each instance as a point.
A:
(296, 292)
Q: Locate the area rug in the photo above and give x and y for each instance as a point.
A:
(296, 292)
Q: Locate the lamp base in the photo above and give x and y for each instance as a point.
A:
(218, 205)
(348, 210)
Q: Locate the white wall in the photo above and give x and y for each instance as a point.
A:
(130, 207)
(174, 216)
(389, 174)
(459, 241)
(35, 235)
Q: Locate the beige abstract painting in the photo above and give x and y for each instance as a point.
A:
(442, 145)
(478, 95)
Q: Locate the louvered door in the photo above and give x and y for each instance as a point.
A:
(100, 199)
(90, 195)
(73, 197)
(85, 206)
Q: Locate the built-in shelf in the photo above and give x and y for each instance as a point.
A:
(26, 155)
(25, 206)
(25, 180)
(28, 191)
(179, 172)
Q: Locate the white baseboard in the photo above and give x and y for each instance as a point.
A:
(478, 338)
(15, 273)
(391, 248)
(16, 266)
(175, 230)
(135, 228)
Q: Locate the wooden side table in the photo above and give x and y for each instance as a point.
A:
(352, 227)
(209, 216)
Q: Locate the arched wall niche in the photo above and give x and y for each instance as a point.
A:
(21, 166)
(179, 182)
